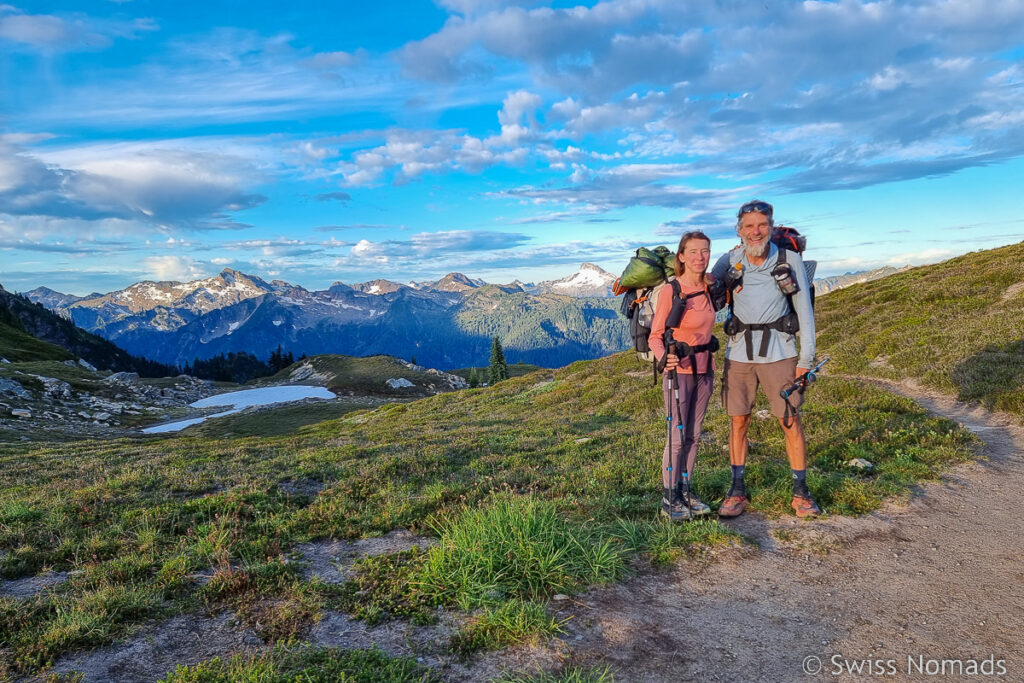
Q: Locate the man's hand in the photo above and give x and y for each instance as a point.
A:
(671, 361)
(800, 371)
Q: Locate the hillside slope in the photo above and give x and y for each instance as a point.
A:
(17, 345)
(957, 326)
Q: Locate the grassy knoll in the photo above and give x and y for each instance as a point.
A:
(365, 375)
(572, 454)
(958, 326)
(18, 345)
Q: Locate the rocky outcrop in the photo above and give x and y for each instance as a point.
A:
(13, 387)
(92, 405)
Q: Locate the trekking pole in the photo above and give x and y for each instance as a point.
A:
(668, 423)
(804, 380)
(681, 426)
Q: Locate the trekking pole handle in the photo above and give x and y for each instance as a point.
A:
(803, 380)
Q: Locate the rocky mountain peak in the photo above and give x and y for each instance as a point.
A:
(457, 282)
(589, 280)
(378, 286)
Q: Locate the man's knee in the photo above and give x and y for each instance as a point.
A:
(740, 422)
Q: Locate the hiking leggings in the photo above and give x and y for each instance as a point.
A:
(694, 394)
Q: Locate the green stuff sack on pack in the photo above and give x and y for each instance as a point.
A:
(649, 267)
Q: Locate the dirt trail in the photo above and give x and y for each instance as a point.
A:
(940, 577)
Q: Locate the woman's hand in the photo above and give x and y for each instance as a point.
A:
(671, 361)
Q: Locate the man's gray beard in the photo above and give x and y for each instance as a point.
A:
(756, 252)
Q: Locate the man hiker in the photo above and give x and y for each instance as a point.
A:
(765, 310)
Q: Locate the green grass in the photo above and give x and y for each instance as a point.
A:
(282, 420)
(515, 548)
(18, 346)
(386, 587)
(514, 622)
(581, 445)
(514, 370)
(956, 326)
(306, 665)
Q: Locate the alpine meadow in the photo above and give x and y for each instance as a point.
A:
(518, 502)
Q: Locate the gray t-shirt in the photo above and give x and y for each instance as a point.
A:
(760, 301)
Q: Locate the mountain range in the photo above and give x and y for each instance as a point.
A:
(444, 324)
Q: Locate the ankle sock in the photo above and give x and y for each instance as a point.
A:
(800, 484)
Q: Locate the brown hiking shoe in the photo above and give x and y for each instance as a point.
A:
(805, 507)
(733, 506)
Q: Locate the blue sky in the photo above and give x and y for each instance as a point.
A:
(314, 142)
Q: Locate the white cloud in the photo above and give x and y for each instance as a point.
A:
(162, 188)
(180, 268)
(56, 33)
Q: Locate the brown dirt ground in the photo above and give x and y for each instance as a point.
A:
(940, 576)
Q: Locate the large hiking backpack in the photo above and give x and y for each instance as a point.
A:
(642, 282)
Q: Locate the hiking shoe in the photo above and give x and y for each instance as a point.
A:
(675, 510)
(805, 507)
(733, 506)
(697, 507)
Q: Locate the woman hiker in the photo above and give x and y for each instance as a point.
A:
(687, 389)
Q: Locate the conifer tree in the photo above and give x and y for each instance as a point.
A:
(474, 379)
(498, 370)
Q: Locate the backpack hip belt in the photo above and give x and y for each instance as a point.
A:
(788, 323)
(689, 351)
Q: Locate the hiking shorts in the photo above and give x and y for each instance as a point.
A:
(740, 381)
